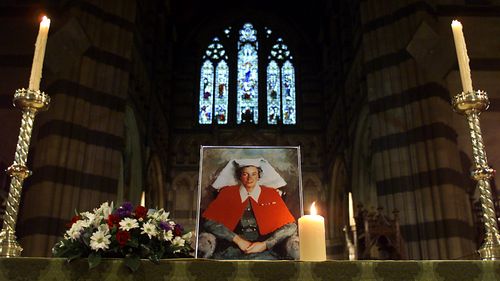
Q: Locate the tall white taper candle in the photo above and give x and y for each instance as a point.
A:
(352, 221)
(463, 58)
(41, 42)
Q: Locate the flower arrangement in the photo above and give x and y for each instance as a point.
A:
(127, 232)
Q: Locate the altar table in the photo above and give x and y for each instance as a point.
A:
(192, 269)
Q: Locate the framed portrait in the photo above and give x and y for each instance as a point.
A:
(249, 201)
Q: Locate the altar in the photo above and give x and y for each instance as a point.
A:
(202, 269)
(90, 146)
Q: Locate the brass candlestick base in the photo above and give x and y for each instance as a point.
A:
(471, 105)
(30, 102)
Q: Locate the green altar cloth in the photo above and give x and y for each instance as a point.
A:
(192, 269)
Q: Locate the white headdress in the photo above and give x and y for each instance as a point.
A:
(269, 176)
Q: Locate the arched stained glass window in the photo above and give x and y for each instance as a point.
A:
(247, 106)
(277, 94)
(206, 92)
(288, 94)
(221, 98)
(273, 90)
(281, 102)
(214, 85)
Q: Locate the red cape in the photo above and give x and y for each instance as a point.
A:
(270, 212)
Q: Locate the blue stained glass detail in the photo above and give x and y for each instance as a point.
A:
(288, 94)
(221, 95)
(206, 93)
(273, 93)
(248, 33)
(247, 101)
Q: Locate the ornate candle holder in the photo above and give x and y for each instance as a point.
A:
(471, 104)
(30, 102)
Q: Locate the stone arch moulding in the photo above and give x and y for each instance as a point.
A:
(131, 181)
(363, 185)
(155, 192)
(336, 199)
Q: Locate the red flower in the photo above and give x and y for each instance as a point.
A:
(73, 220)
(122, 237)
(140, 212)
(178, 229)
(113, 220)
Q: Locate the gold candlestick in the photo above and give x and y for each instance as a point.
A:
(30, 102)
(471, 104)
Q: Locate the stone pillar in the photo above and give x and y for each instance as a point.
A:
(416, 157)
(78, 148)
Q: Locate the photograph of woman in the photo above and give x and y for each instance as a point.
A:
(248, 218)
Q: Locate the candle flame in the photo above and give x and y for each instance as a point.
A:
(45, 21)
(456, 23)
(313, 209)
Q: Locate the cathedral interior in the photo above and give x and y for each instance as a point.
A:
(370, 85)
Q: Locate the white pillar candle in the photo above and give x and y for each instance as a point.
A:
(41, 42)
(463, 58)
(352, 221)
(312, 237)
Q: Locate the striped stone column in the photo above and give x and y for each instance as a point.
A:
(416, 158)
(78, 147)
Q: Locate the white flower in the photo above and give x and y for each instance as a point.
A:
(152, 213)
(92, 219)
(73, 235)
(187, 236)
(178, 241)
(75, 231)
(88, 216)
(98, 220)
(100, 240)
(159, 215)
(168, 235)
(103, 228)
(149, 229)
(128, 224)
(164, 215)
(105, 209)
(84, 223)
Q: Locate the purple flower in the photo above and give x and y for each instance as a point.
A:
(125, 210)
(165, 226)
(128, 206)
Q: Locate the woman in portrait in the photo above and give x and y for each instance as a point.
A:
(248, 217)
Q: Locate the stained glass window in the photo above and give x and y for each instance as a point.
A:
(206, 92)
(214, 85)
(288, 94)
(247, 105)
(221, 97)
(279, 92)
(273, 90)
(281, 102)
